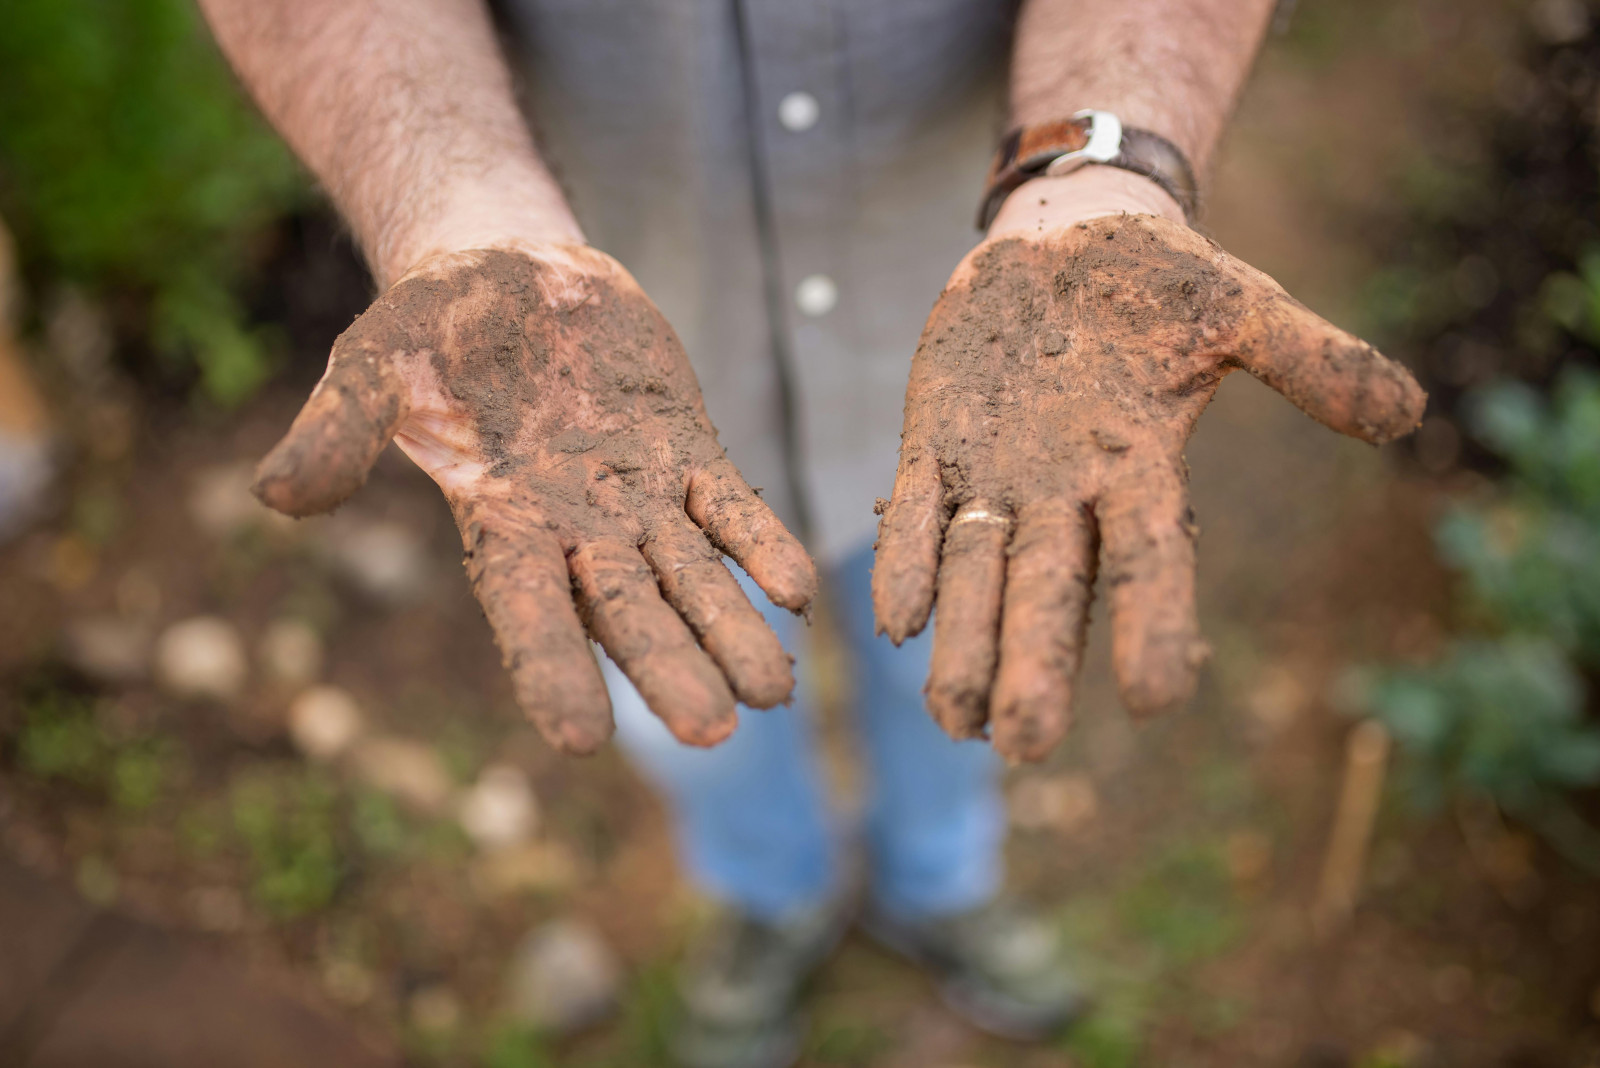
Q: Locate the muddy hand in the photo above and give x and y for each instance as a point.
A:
(1050, 399)
(554, 406)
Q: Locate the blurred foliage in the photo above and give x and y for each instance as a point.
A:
(1487, 241)
(1142, 942)
(1504, 713)
(1573, 298)
(295, 837)
(288, 825)
(61, 740)
(130, 162)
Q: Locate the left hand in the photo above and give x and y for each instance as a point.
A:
(1056, 383)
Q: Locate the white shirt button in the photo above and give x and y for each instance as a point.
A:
(799, 111)
(816, 295)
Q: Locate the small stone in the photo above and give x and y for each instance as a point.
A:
(500, 809)
(1277, 700)
(562, 978)
(324, 721)
(201, 658)
(291, 652)
(220, 501)
(529, 868)
(409, 771)
(348, 982)
(1064, 803)
(385, 560)
(434, 1009)
(107, 649)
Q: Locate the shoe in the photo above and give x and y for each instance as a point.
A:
(740, 988)
(998, 965)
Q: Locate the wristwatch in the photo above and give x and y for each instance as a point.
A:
(1090, 136)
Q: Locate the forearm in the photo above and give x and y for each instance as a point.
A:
(1174, 67)
(403, 110)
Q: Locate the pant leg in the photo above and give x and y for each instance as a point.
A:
(935, 820)
(752, 825)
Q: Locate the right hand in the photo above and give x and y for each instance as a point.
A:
(554, 406)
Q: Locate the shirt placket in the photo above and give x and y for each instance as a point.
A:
(802, 130)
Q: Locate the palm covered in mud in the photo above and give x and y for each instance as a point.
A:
(1050, 399)
(554, 406)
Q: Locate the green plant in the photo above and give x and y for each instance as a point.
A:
(61, 740)
(1573, 298)
(129, 160)
(1503, 713)
(289, 829)
(513, 1045)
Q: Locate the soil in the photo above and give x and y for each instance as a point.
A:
(1181, 857)
(1105, 343)
(555, 407)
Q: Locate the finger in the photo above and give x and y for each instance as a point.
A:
(1148, 549)
(740, 524)
(966, 628)
(1049, 586)
(352, 414)
(519, 576)
(1333, 376)
(622, 605)
(698, 584)
(907, 558)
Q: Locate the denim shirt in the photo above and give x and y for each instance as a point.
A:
(792, 181)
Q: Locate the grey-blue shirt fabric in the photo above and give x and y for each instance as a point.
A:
(748, 160)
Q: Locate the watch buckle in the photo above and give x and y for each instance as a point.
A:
(1103, 146)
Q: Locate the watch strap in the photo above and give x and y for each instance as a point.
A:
(1061, 146)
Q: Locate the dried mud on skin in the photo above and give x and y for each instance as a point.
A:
(1051, 395)
(557, 410)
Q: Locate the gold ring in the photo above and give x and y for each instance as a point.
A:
(978, 515)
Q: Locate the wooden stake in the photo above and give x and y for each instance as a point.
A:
(1366, 759)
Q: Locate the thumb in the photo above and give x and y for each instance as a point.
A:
(1333, 376)
(352, 414)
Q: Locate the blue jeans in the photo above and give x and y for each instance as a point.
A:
(753, 825)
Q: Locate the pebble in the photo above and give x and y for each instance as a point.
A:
(107, 649)
(291, 652)
(1064, 803)
(562, 978)
(500, 809)
(409, 771)
(532, 867)
(202, 658)
(220, 502)
(434, 1008)
(324, 721)
(386, 560)
(348, 982)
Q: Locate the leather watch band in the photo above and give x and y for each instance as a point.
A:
(1087, 137)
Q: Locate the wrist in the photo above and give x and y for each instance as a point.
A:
(489, 211)
(1090, 192)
